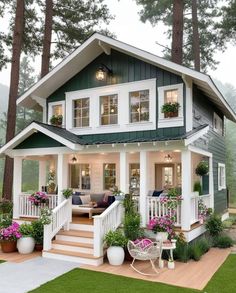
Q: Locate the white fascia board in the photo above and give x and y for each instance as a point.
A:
(195, 136)
(30, 130)
(199, 151)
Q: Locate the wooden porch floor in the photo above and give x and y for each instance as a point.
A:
(194, 275)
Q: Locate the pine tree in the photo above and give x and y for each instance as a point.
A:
(228, 24)
(14, 81)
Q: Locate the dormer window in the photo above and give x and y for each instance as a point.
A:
(56, 112)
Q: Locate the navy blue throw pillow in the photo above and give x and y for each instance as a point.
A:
(76, 200)
(157, 192)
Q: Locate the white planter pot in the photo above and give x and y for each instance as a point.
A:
(115, 255)
(25, 245)
(171, 265)
(162, 236)
(161, 263)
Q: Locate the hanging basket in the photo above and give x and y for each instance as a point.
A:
(8, 246)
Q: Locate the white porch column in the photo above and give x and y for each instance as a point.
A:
(143, 186)
(124, 173)
(211, 182)
(186, 190)
(17, 185)
(62, 175)
(42, 174)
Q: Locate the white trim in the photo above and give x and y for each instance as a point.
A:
(170, 122)
(122, 90)
(196, 136)
(188, 102)
(94, 49)
(199, 151)
(17, 185)
(29, 130)
(221, 187)
(58, 103)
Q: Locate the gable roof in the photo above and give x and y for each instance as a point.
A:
(96, 45)
(77, 142)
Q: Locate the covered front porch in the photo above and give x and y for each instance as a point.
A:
(140, 169)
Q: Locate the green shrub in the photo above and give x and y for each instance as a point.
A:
(197, 187)
(223, 242)
(115, 238)
(26, 230)
(214, 225)
(38, 231)
(6, 206)
(196, 251)
(182, 252)
(129, 204)
(202, 168)
(204, 244)
(5, 220)
(132, 229)
(227, 224)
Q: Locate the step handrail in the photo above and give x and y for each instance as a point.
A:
(110, 219)
(61, 217)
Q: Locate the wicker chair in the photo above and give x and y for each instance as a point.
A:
(144, 251)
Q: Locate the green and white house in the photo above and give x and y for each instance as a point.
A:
(111, 95)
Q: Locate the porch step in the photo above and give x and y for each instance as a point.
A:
(78, 257)
(73, 246)
(76, 236)
(81, 227)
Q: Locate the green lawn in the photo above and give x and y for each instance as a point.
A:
(85, 281)
(2, 261)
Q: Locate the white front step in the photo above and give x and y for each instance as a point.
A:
(74, 239)
(80, 260)
(81, 227)
(72, 248)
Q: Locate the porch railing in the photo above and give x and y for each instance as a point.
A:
(157, 208)
(110, 219)
(61, 217)
(195, 198)
(28, 209)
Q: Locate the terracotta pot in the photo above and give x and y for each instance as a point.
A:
(8, 246)
(38, 247)
(171, 114)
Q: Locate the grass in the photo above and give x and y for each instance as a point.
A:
(79, 280)
(1, 261)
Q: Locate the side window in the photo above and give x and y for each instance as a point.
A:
(221, 176)
(56, 113)
(217, 124)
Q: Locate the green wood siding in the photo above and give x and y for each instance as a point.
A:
(125, 69)
(212, 142)
(38, 140)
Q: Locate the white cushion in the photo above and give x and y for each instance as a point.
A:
(85, 199)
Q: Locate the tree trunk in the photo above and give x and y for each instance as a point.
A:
(177, 32)
(47, 38)
(14, 82)
(196, 41)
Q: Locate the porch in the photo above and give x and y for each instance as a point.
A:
(139, 170)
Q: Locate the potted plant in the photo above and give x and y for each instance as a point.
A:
(119, 195)
(170, 109)
(38, 234)
(51, 182)
(26, 243)
(67, 193)
(115, 241)
(163, 226)
(202, 168)
(56, 120)
(39, 198)
(171, 264)
(9, 236)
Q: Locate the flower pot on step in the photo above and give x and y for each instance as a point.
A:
(8, 246)
(25, 245)
(115, 255)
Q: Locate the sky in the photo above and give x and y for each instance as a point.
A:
(128, 28)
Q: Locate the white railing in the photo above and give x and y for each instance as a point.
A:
(28, 209)
(195, 198)
(61, 217)
(110, 219)
(157, 208)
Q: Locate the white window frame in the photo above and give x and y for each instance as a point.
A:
(122, 90)
(58, 103)
(219, 120)
(223, 186)
(100, 114)
(175, 121)
(144, 121)
(73, 113)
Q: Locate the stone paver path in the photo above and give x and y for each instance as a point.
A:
(28, 275)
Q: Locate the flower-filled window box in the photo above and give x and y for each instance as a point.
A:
(170, 109)
(56, 120)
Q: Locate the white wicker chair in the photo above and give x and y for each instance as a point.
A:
(140, 251)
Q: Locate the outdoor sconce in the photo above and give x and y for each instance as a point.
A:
(74, 160)
(168, 158)
(102, 72)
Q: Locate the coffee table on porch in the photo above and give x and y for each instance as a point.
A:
(87, 209)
